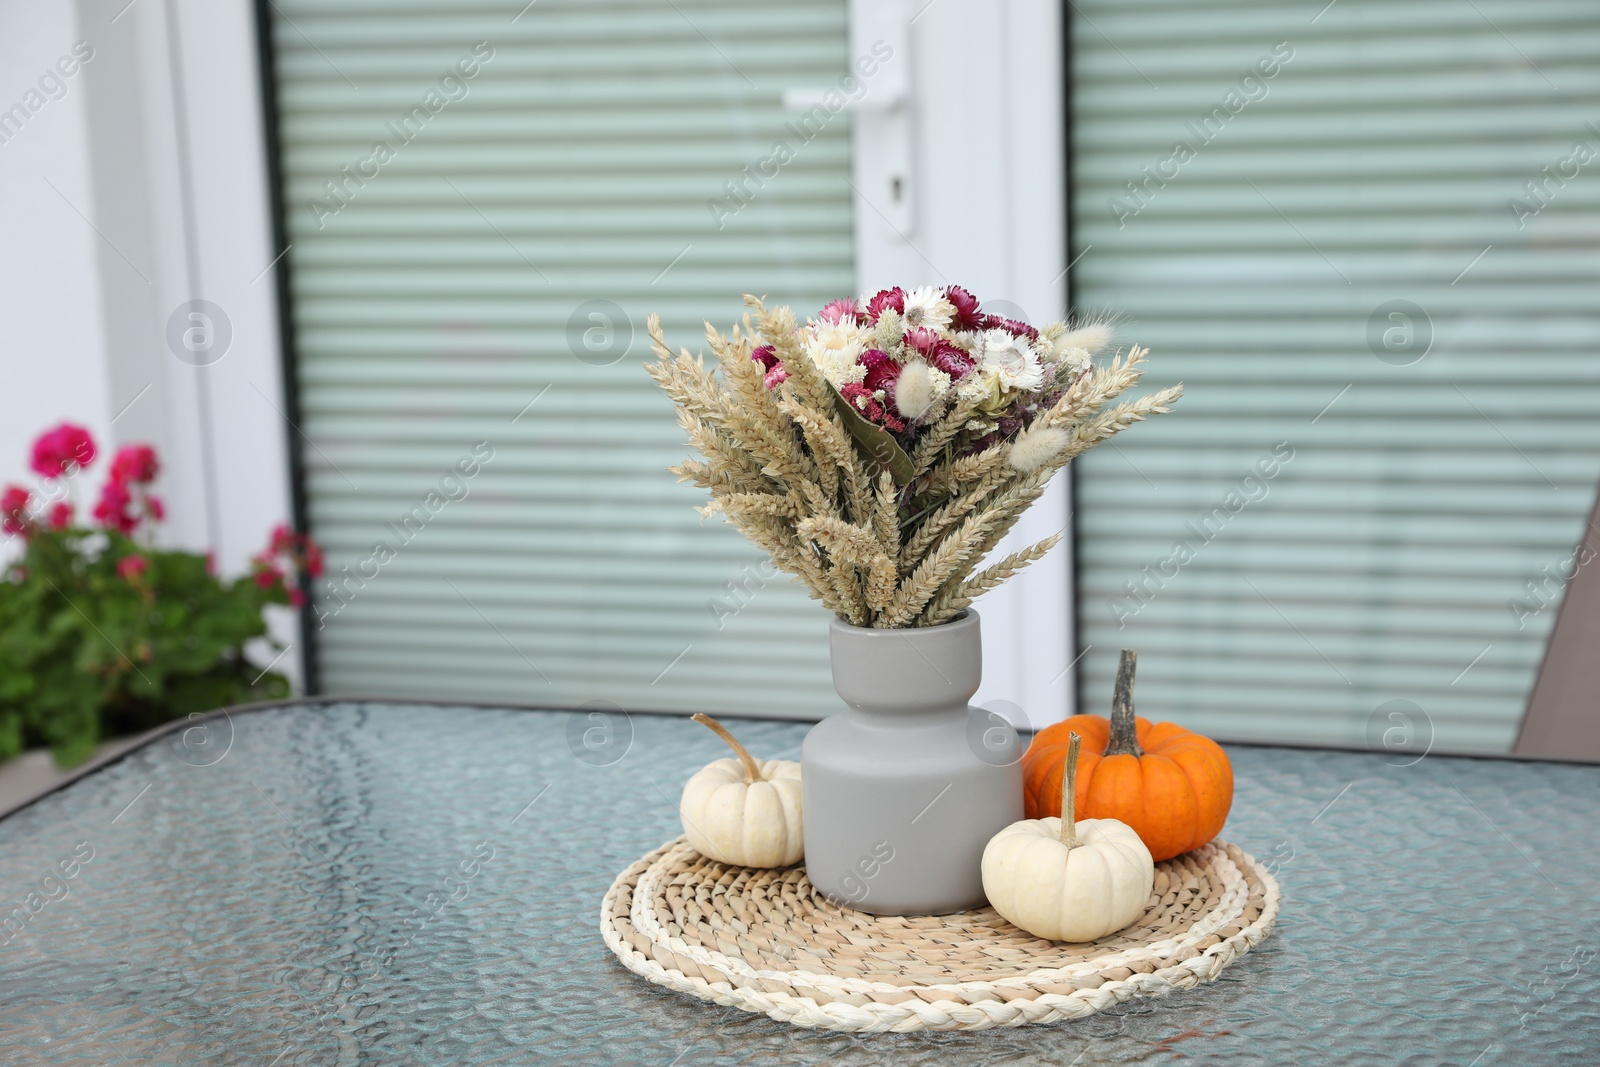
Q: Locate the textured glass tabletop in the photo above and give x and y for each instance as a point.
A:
(406, 884)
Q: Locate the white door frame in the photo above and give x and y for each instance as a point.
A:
(177, 171)
(966, 124)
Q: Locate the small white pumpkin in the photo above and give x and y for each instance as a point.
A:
(744, 811)
(1065, 880)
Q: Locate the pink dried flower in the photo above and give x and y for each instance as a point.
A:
(59, 451)
(867, 402)
(882, 371)
(775, 372)
(923, 339)
(1011, 326)
(939, 352)
(135, 465)
(951, 359)
(968, 315)
(886, 300)
(844, 310)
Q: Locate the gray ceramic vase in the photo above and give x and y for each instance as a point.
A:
(904, 790)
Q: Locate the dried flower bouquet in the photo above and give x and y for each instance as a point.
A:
(882, 450)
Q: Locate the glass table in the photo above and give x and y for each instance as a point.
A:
(342, 883)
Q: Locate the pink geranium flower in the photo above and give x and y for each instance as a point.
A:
(125, 501)
(135, 465)
(13, 509)
(111, 510)
(60, 515)
(287, 555)
(281, 540)
(62, 450)
(130, 568)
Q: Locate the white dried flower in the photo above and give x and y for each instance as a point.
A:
(977, 384)
(834, 348)
(918, 388)
(928, 307)
(1076, 360)
(1037, 446)
(1093, 337)
(1011, 361)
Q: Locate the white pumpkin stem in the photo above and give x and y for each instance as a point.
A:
(752, 769)
(1069, 796)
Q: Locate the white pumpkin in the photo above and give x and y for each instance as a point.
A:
(744, 811)
(1065, 880)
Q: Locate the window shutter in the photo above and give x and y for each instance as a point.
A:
(1344, 260)
(489, 282)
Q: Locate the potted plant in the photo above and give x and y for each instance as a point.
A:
(879, 453)
(103, 633)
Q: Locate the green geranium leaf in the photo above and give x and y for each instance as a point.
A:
(87, 652)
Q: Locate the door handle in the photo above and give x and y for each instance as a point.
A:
(884, 143)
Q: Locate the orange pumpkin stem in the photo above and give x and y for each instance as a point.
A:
(1124, 739)
(752, 769)
(1069, 795)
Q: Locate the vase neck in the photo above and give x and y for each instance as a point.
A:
(930, 671)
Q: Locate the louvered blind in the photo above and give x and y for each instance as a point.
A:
(465, 286)
(1344, 259)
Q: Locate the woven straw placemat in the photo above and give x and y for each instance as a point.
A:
(767, 941)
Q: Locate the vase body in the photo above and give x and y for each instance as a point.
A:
(903, 791)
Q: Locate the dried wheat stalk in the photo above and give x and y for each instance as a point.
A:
(782, 466)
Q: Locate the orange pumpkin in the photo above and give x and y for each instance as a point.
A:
(1172, 786)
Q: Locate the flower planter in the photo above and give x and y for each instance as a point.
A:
(904, 789)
